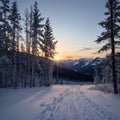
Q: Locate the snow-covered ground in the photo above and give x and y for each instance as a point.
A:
(59, 102)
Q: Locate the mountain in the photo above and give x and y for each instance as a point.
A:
(84, 65)
(81, 63)
(89, 69)
(67, 63)
(70, 63)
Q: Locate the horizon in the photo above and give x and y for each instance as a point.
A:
(60, 60)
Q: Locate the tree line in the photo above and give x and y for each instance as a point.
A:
(21, 64)
(20, 61)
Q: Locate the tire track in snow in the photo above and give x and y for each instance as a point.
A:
(72, 104)
(49, 107)
(89, 110)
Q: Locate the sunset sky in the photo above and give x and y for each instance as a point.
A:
(75, 24)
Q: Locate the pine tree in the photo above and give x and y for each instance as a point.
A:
(106, 71)
(48, 48)
(15, 18)
(111, 35)
(48, 41)
(5, 10)
(5, 33)
(37, 27)
(37, 34)
(97, 75)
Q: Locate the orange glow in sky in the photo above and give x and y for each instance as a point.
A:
(58, 57)
(65, 53)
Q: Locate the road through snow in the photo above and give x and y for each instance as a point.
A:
(72, 104)
(52, 103)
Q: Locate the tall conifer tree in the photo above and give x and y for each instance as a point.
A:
(15, 23)
(48, 41)
(5, 31)
(37, 35)
(5, 26)
(111, 36)
(37, 27)
(48, 48)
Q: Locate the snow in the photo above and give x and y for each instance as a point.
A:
(98, 60)
(87, 61)
(70, 63)
(59, 102)
(76, 63)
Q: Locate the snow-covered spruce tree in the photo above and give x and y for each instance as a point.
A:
(6, 28)
(112, 26)
(48, 48)
(37, 27)
(106, 75)
(97, 78)
(37, 34)
(14, 18)
(106, 71)
(5, 41)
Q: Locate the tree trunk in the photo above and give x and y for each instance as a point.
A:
(14, 58)
(113, 53)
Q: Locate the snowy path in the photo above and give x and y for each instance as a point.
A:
(53, 103)
(72, 104)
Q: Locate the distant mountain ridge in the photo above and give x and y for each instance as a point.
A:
(84, 65)
(70, 63)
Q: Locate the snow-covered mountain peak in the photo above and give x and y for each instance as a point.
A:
(80, 62)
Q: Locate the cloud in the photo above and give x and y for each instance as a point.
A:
(87, 49)
(69, 57)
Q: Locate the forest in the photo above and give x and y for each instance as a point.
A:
(27, 45)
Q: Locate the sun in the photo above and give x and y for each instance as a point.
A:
(57, 57)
